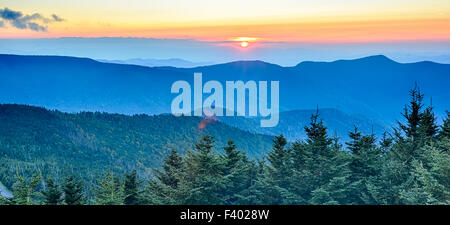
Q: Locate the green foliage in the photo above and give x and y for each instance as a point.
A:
(202, 180)
(73, 191)
(25, 192)
(85, 144)
(52, 193)
(131, 189)
(445, 129)
(410, 167)
(110, 191)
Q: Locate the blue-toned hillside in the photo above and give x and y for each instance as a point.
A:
(373, 86)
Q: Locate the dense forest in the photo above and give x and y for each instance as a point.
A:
(85, 144)
(409, 166)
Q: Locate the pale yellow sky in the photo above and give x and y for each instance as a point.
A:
(281, 20)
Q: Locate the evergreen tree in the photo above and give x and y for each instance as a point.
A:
(164, 190)
(5, 201)
(364, 162)
(386, 142)
(26, 192)
(131, 189)
(428, 128)
(412, 114)
(239, 174)
(52, 194)
(445, 128)
(355, 145)
(385, 188)
(254, 194)
(319, 165)
(202, 181)
(73, 191)
(419, 186)
(410, 172)
(109, 191)
(317, 134)
(280, 160)
(320, 196)
(172, 166)
(232, 155)
(275, 187)
(419, 128)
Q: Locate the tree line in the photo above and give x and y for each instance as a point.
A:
(409, 166)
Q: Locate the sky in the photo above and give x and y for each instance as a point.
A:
(416, 29)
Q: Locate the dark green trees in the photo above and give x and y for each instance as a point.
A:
(410, 167)
(52, 194)
(109, 191)
(73, 191)
(409, 171)
(164, 189)
(274, 185)
(203, 174)
(172, 166)
(131, 189)
(322, 165)
(363, 165)
(239, 174)
(280, 161)
(26, 191)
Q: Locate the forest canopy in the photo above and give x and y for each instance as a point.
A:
(408, 166)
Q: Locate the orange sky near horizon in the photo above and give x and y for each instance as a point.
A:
(287, 21)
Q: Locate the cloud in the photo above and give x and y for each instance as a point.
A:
(35, 21)
(57, 18)
(8, 14)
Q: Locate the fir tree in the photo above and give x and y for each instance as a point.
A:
(73, 191)
(412, 114)
(355, 145)
(445, 128)
(277, 185)
(428, 128)
(52, 193)
(239, 174)
(418, 189)
(202, 179)
(164, 190)
(419, 124)
(386, 141)
(131, 189)
(317, 162)
(363, 165)
(26, 192)
(317, 133)
(109, 191)
(232, 155)
(172, 166)
(280, 158)
(5, 201)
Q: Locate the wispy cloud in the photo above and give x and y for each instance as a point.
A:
(35, 21)
(57, 18)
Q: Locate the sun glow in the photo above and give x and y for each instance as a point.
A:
(244, 42)
(246, 39)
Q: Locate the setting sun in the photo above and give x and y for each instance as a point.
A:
(244, 44)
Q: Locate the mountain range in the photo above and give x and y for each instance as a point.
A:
(372, 90)
(292, 124)
(158, 62)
